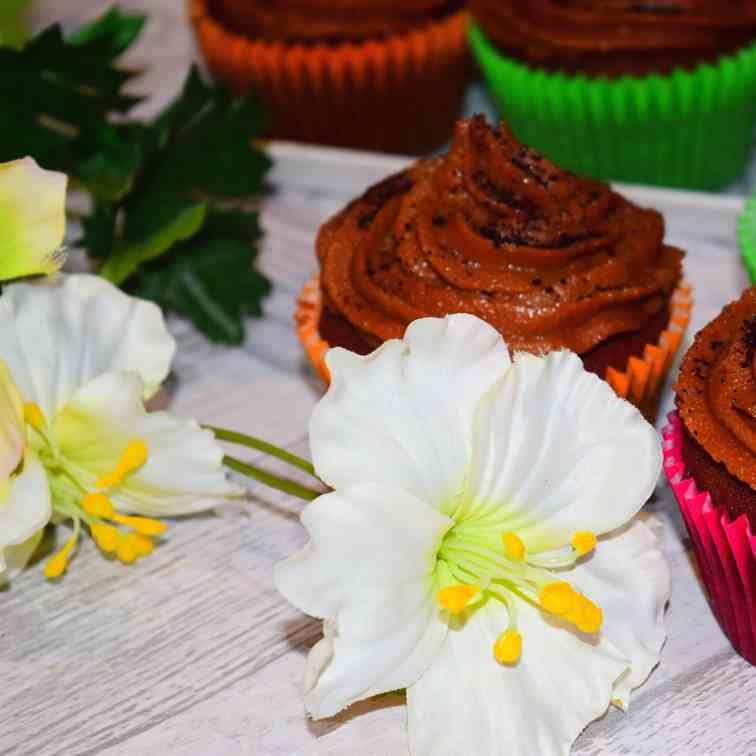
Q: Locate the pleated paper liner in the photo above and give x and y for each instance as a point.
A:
(640, 383)
(725, 549)
(401, 94)
(747, 236)
(690, 129)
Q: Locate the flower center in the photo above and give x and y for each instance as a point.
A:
(497, 566)
(74, 499)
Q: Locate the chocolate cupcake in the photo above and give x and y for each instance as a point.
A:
(553, 261)
(710, 459)
(716, 401)
(655, 92)
(355, 73)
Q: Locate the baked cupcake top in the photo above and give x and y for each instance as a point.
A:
(312, 21)
(716, 388)
(496, 230)
(617, 37)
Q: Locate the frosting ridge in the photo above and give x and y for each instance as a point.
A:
(330, 20)
(716, 390)
(617, 37)
(495, 229)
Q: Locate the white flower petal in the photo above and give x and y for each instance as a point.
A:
(384, 627)
(25, 509)
(12, 425)
(467, 703)
(184, 471)
(403, 416)
(32, 219)
(13, 559)
(57, 336)
(628, 577)
(557, 452)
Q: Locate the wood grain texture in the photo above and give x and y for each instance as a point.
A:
(193, 652)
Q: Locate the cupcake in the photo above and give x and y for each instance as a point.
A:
(371, 74)
(646, 92)
(492, 228)
(710, 461)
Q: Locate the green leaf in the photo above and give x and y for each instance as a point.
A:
(12, 32)
(205, 138)
(209, 280)
(56, 95)
(127, 258)
(114, 33)
(108, 172)
(99, 231)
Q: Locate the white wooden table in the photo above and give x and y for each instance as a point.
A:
(192, 651)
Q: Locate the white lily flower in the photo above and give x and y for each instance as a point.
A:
(81, 358)
(479, 547)
(32, 219)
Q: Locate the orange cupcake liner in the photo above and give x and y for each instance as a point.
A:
(401, 93)
(640, 383)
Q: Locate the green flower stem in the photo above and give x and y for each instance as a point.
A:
(256, 443)
(270, 480)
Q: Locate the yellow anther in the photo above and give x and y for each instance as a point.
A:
(577, 613)
(508, 647)
(455, 598)
(584, 542)
(98, 505)
(143, 545)
(133, 457)
(558, 598)
(128, 548)
(34, 416)
(105, 536)
(513, 546)
(592, 618)
(57, 564)
(143, 525)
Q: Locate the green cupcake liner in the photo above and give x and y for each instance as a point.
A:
(747, 236)
(689, 129)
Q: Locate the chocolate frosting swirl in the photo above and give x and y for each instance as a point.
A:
(716, 389)
(494, 229)
(329, 20)
(619, 36)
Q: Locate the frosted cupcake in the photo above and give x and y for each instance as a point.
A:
(647, 92)
(493, 229)
(710, 460)
(359, 73)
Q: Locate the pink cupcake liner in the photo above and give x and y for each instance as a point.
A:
(725, 549)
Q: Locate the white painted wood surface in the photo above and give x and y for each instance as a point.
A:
(191, 651)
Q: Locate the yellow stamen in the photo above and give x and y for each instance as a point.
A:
(508, 647)
(514, 547)
(34, 416)
(57, 564)
(98, 505)
(455, 598)
(105, 536)
(133, 546)
(584, 542)
(128, 548)
(143, 525)
(557, 598)
(592, 618)
(134, 456)
(576, 615)
(144, 545)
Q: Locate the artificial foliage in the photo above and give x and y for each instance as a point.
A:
(168, 217)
